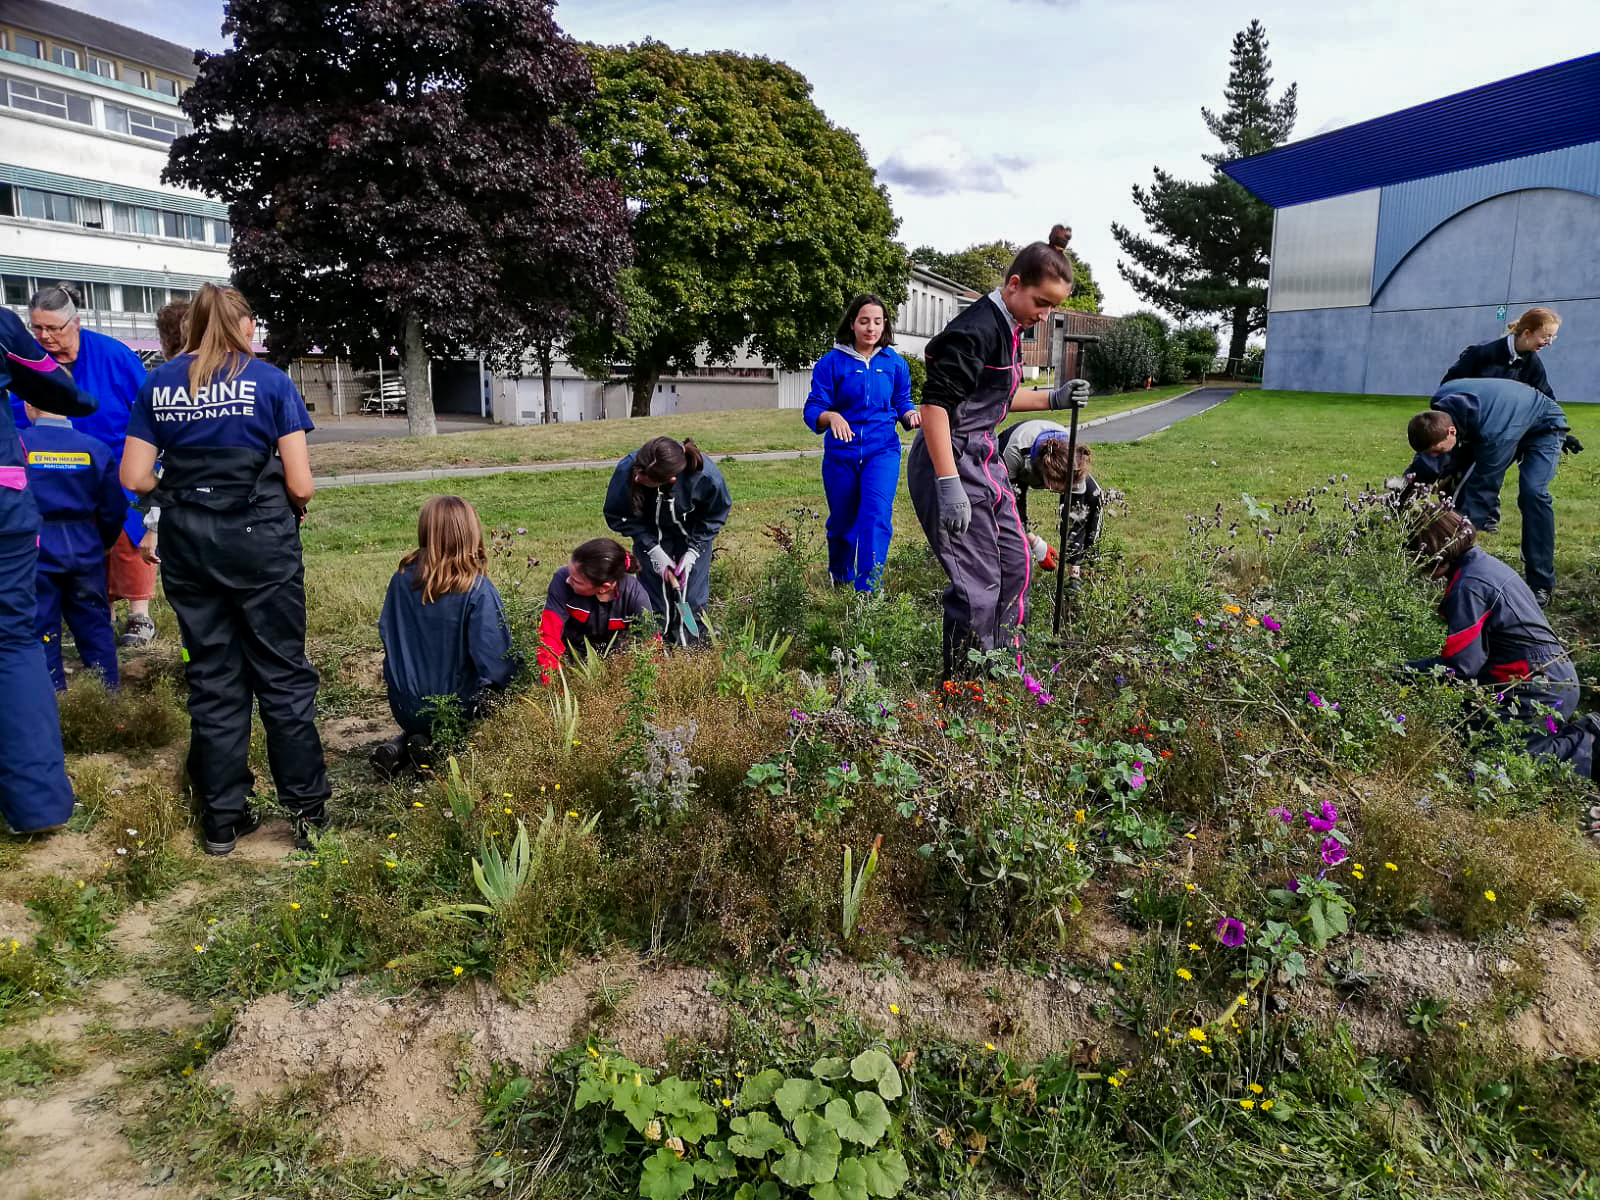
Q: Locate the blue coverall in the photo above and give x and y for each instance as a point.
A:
(34, 791)
(861, 476)
(74, 482)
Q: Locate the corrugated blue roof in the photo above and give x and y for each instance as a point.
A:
(1548, 109)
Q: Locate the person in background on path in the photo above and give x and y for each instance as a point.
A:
(1515, 356)
(171, 328)
(860, 390)
(672, 502)
(1035, 456)
(1474, 430)
(73, 478)
(231, 434)
(444, 632)
(35, 794)
(1498, 637)
(591, 604)
(113, 375)
(962, 498)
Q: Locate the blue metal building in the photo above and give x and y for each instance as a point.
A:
(1401, 240)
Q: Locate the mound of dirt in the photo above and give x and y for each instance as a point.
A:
(345, 734)
(68, 854)
(387, 1066)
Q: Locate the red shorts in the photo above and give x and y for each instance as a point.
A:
(129, 577)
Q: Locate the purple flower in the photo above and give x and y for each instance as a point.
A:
(1033, 685)
(1199, 620)
(1293, 886)
(1328, 819)
(1333, 852)
(1550, 724)
(1284, 815)
(1230, 931)
(1269, 623)
(1314, 700)
(796, 715)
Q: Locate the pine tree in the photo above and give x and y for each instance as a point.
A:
(1211, 238)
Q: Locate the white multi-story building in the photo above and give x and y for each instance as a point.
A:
(88, 109)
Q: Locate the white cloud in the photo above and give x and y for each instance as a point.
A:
(937, 165)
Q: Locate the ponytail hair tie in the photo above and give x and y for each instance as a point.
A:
(627, 561)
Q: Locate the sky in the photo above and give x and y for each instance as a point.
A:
(997, 118)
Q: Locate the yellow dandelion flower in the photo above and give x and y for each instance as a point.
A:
(726, 1103)
(211, 921)
(1266, 1106)
(391, 864)
(894, 1009)
(294, 906)
(1116, 966)
(1113, 1081)
(392, 836)
(1072, 847)
(1183, 974)
(1189, 887)
(1244, 1001)
(1195, 946)
(718, 1082)
(416, 804)
(1204, 1049)
(1257, 1088)
(187, 1071)
(1197, 1035)
(508, 812)
(1080, 816)
(1247, 1105)
(573, 814)
(1191, 837)
(324, 916)
(457, 970)
(1251, 621)
(1490, 896)
(593, 1053)
(199, 949)
(507, 795)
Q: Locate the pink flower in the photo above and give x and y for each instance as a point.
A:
(1137, 780)
(1284, 815)
(1230, 931)
(1269, 623)
(1550, 724)
(1328, 819)
(1333, 852)
(1314, 700)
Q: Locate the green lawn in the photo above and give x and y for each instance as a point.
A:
(1268, 444)
(719, 433)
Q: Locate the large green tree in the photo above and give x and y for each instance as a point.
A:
(754, 219)
(982, 267)
(403, 173)
(1209, 240)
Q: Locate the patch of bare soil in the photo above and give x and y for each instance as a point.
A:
(272, 843)
(346, 734)
(1027, 1016)
(134, 934)
(68, 854)
(17, 924)
(386, 1066)
(1392, 976)
(68, 1140)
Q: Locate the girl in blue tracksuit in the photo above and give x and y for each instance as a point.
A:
(672, 502)
(443, 628)
(859, 391)
(34, 792)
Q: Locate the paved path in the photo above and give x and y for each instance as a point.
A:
(1126, 426)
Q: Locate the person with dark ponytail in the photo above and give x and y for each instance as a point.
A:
(958, 486)
(672, 502)
(592, 603)
(860, 390)
(230, 431)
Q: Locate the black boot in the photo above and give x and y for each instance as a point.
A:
(389, 756)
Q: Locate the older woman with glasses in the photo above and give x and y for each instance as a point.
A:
(111, 373)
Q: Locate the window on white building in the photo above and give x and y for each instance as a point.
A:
(222, 232)
(18, 289)
(142, 299)
(103, 67)
(48, 101)
(167, 87)
(28, 47)
(182, 225)
(135, 218)
(64, 57)
(137, 76)
(140, 124)
(54, 206)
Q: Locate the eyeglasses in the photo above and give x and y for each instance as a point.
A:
(52, 330)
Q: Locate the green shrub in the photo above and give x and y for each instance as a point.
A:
(95, 719)
(1124, 357)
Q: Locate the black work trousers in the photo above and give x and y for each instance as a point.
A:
(236, 582)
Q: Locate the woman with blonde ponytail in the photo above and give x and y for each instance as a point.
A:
(230, 432)
(1515, 356)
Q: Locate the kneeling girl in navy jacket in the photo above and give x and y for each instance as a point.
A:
(592, 603)
(443, 628)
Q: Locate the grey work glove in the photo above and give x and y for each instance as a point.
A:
(955, 510)
(659, 559)
(1071, 394)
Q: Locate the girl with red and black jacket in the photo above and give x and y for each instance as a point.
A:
(592, 603)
